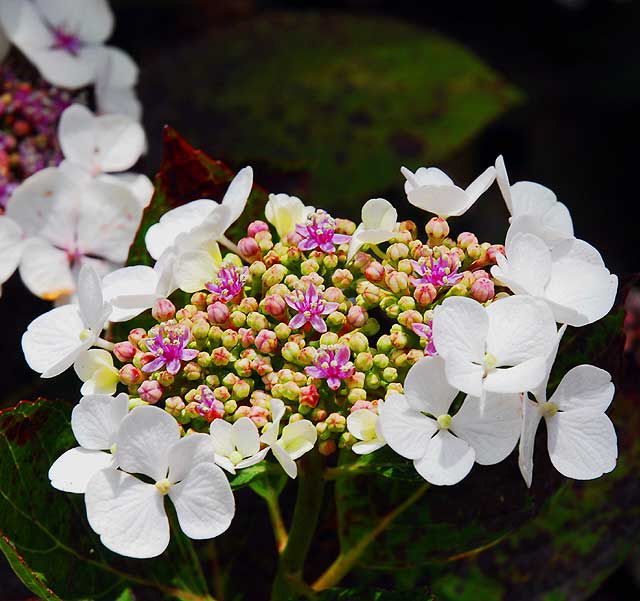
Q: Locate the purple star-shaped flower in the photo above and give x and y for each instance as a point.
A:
(332, 364)
(208, 406)
(320, 232)
(423, 330)
(228, 283)
(438, 272)
(169, 346)
(311, 307)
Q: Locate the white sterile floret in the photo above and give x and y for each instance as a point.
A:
(95, 368)
(297, 439)
(132, 290)
(571, 277)
(11, 244)
(129, 514)
(364, 424)
(379, 224)
(237, 446)
(581, 439)
(54, 340)
(67, 224)
(200, 220)
(62, 38)
(284, 212)
(444, 447)
(501, 348)
(116, 78)
(95, 421)
(433, 190)
(534, 208)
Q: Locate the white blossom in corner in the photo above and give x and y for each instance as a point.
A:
(236, 445)
(129, 514)
(433, 190)
(116, 78)
(284, 212)
(96, 370)
(571, 277)
(444, 447)
(95, 421)
(379, 224)
(364, 424)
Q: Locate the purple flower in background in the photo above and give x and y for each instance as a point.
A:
(62, 40)
(169, 346)
(332, 364)
(320, 232)
(438, 272)
(311, 307)
(424, 331)
(228, 283)
(208, 406)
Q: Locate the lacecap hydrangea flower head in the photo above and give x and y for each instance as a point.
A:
(313, 333)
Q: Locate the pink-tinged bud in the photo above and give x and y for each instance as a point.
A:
(274, 275)
(362, 405)
(344, 226)
(141, 359)
(271, 258)
(262, 366)
(465, 239)
(309, 395)
(242, 411)
(130, 375)
(259, 416)
(218, 312)
(307, 355)
(333, 295)
(474, 251)
(327, 447)
(163, 310)
(361, 260)
(406, 318)
(275, 306)
(357, 316)
(220, 356)
(222, 394)
(199, 299)
(247, 337)
(425, 294)
(150, 391)
(174, 406)
(480, 274)
(437, 229)
(249, 248)
(397, 281)
(266, 342)
(136, 335)
(342, 278)
(255, 227)
(374, 272)
(494, 250)
(264, 236)
(397, 251)
(124, 351)
(483, 290)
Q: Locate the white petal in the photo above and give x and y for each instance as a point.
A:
(557, 223)
(90, 20)
(423, 176)
(584, 387)
(465, 376)
(378, 213)
(128, 514)
(225, 463)
(426, 387)
(362, 424)
(190, 451)
(116, 74)
(222, 437)
(92, 361)
(460, 327)
(447, 461)
(45, 270)
(582, 443)
(90, 301)
(10, 247)
(298, 438)
(481, 184)
(284, 459)
(144, 441)
(530, 421)
(525, 376)
(284, 212)
(246, 437)
(491, 427)
(96, 418)
(129, 291)
(444, 201)
(204, 502)
(406, 431)
(139, 185)
(72, 471)
(277, 413)
(503, 182)
(193, 269)
(235, 198)
(249, 461)
(52, 341)
(23, 25)
(364, 447)
(529, 198)
(520, 328)
(375, 236)
(540, 392)
(356, 243)
(63, 69)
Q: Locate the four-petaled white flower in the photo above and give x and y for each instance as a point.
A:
(571, 277)
(129, 514)
(581, 439)
(284, 212)
(297, 439)
(95, 421)
(237, 446)
(95, 368)
(201, 220)
(67, 224)
(501, 348)
(534, 208)
(433, 190)
(63, 39)
(116, 78)
(54, 340)
(379, 224)
(11, 242)
(364, 424)
(444, 447)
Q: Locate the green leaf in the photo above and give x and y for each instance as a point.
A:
(245, 476)
(361, 593)
(335, 119)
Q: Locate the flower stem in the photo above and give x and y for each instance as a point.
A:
(289, 575)
(345, 561)
(230, 245)
(105, 344)
(376, 250)
(279, 529)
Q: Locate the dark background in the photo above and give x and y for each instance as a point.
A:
(575, 129)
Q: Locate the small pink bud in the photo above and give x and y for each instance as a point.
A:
(266, 341)
(258, 415)
(397, 281)
(220, 356)
(247, 337)
(480, 274)
(275, 305)
(309, 396)
(242, 411)
(425, 294)
(130, 375)
(136, 335)
(150, 391)
(255, 227)
(249, 248)
(124, 351)
(342, 278)
(163, 309)
(374, 272)
(465, 239)
(327, 447)
(363, 404)
(361, 260)
(218, 312)
(482, 290)
(493, 250)
(437, 229)
(357, 316)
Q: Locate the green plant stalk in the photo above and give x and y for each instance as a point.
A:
(345, 561)
(277, 523)
(289, 574)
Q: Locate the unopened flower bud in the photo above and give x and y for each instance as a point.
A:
(345, 226)
(200, 329)
(358, 342)
(241, 390)
(192, 371)
(389, 374)
(493, 250)
(309, 266)
(163, 309)
(318, 415)
(437, 229)
(342, 278)
(290, 391)
(283, 331)
(361, 260)
(256, 321)
(164, 378)
(371, 327)
(266, 342)
(406, 318)
(425, 294)
(356, 394)
(364, 361)
(397, 281)
(327, 447)
(259, 416)
(482, 290)
(255, 227)
(218, 312)
(174, 406)
(465, 239)
(371, 381)
(336, 422)
(220, 356)
(405, 266)
(309, 396)
(274, 275)
(290, 352)
(335, 321)
(406, 303)
(374, 271)
(230, 339)
(275, 306)
(150, 391)
(137, 335)
(130, 375)
(397, 251)
(257, 269)
(384, 344)
(124, 351)
(357, 316)
(381, 360)
(323, 430)
(249, 248)
(238, 319)
(328, 339)
(307, 355)
(242, 411)
(330, 262)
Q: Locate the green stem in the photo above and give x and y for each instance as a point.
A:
(279, 529)
(345, 561)
(376, 250)
(289, 575)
